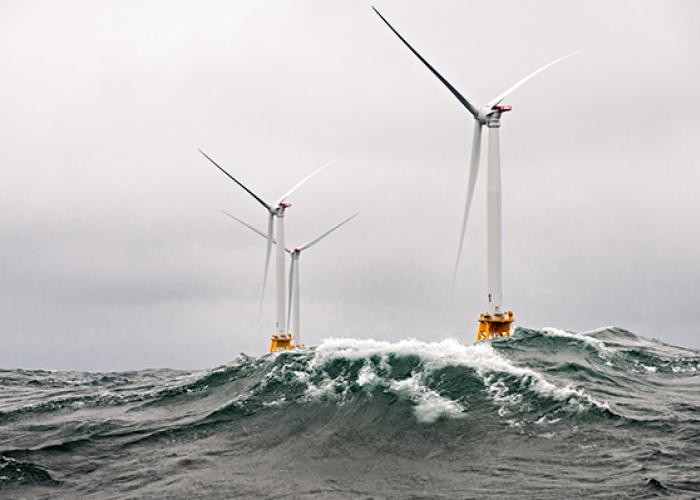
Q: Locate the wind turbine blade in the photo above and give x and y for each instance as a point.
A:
(274, 241)
(291, 284)
(298, 184)
(316, 240)
(473, 173)
(500, 97)
(247, 225)
(270, 238)
(472, 109)
(259, 200)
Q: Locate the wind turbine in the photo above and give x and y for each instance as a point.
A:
(294, 295)
(496, 322)
(280, 340)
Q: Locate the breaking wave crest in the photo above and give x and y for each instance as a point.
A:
(441, 379)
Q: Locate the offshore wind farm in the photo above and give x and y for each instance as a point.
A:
(294, 295)
(389, 367)
(282, 339)
(496, 322)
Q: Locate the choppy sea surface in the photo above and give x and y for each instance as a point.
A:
(543, 414)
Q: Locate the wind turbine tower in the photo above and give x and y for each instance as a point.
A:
(294, 310)
(496, 322)
(282, 338)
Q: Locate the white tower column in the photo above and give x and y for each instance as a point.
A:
(296, 300)
(280, 327)
(493, 215)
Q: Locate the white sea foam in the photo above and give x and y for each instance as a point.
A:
(434, 355)
(679, 369)
(367, 376)
(597, 343)
(599, 330)
(430, 405)
(321, 391)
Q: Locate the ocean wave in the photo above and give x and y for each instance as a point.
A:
(439, 380)
(539, 400)
(16, 472)
(379, 359)
(580, 337)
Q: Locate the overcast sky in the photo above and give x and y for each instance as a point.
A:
(113, 252)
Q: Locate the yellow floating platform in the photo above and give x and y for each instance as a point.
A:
(280, 343)
(494, 326)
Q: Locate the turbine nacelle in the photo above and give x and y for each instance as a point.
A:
(281, 207)
(502, 108)
(487, 112)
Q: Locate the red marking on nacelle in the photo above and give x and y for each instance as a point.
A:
(502, 109)
(285, 204)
